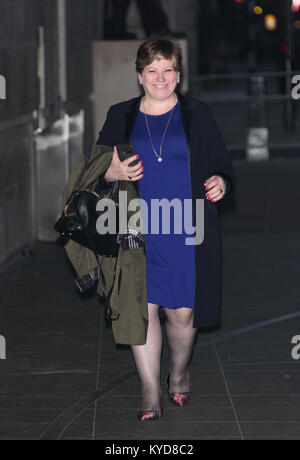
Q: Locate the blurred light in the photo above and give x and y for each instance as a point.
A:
(284, 48)
(297, 24)
(296, 6)
(258, 10)
(270, 22)
(239, 1)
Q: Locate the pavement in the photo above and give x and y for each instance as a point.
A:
(64, 378)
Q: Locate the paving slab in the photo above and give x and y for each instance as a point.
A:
(64, 378)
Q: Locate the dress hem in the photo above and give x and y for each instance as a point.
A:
(170, 307)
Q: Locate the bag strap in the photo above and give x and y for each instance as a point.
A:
(109, 315)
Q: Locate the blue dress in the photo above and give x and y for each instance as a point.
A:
(170, 262)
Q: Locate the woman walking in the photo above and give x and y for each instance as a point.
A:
(182, 156)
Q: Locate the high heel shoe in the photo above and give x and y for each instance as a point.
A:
(151, 414)
(180, 398)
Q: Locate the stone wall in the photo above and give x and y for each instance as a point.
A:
(20, 22)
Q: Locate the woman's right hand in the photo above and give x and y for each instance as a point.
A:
(120, 170)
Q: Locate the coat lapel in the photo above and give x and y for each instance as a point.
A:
(130, 117)
(186, 115)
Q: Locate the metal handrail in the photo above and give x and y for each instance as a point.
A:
(235, 99)
(241, 75)
(271, 145)
(243, 96)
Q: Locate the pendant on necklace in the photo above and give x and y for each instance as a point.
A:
(159, 159)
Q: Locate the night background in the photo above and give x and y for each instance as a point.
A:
(233, 35)
(63, 63)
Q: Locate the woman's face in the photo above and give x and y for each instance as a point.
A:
(159, 79)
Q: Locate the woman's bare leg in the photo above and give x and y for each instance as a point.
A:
(181, 337)
(147, 359)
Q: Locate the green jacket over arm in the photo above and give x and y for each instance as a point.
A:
(129, 295)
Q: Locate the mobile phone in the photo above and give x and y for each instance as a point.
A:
(126, 151)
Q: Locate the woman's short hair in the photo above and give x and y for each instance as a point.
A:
(158, 48)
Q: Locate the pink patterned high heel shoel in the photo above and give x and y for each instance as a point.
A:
(150, 414)
(179, 398)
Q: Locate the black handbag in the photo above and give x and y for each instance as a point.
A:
(79, 217)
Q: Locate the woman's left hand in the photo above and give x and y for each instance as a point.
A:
(215, 188)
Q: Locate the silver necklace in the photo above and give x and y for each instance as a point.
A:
(158, 156)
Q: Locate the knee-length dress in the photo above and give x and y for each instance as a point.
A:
(170, 261)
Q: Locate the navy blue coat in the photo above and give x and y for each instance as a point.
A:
(207, 157)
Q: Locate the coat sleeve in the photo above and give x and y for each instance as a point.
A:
(220, 162)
